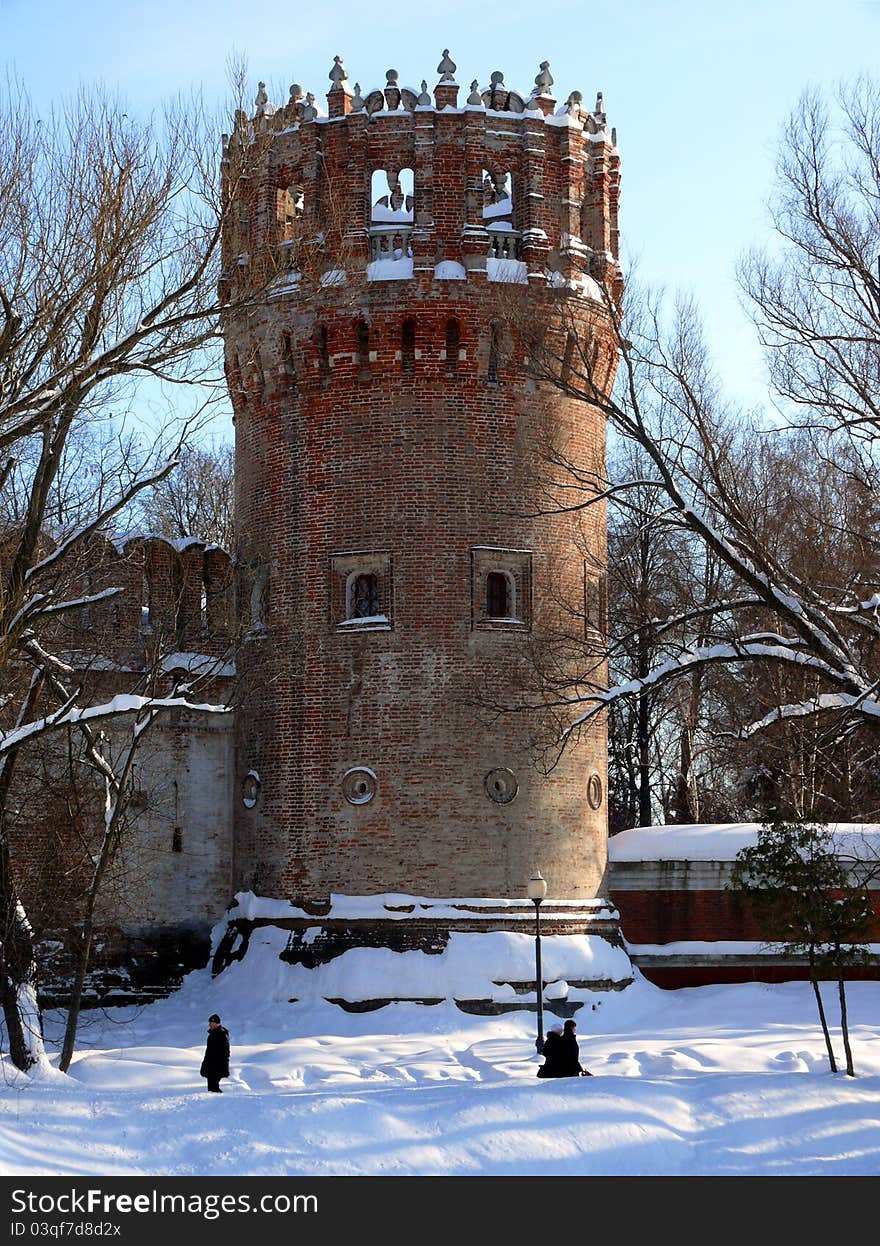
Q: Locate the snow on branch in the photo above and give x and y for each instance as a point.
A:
(69, 715)
(746, 650)
(78, 602)
(805, 709)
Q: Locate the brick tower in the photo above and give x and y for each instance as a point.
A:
(395, 581)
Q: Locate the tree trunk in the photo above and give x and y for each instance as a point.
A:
(115, 808)
(644, 730)
(76, 994)
(18, 980)
(18, 966)
(643, 719)
(844, 1025)
(815, 981)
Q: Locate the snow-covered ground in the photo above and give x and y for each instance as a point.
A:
(711, 1080)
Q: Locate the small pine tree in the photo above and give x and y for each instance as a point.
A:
(812, 901)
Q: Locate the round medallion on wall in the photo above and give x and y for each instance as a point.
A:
(250, 789)
(594, 790)
(501, 785)
(359, 785)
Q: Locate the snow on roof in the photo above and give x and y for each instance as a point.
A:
(198, 664)
(721, 841)
(562, 117)
(179, 544)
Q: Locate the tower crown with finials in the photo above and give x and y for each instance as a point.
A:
(562, 163)
(397, 572)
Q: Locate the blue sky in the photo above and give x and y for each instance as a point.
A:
(698, 92)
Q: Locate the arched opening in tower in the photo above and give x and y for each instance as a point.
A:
(392, 210)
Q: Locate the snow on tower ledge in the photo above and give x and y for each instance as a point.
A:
(364, 952)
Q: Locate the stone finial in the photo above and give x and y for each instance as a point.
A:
(296, 93)
(497, 89)
(309, 112)
(573, 104)
(447, 67)
(261, 100)
(357, 101)
(600, 103)
(424, 99)
(338, 74)
(475, 97)
(614, 136)
(543, 80)
(392, 90)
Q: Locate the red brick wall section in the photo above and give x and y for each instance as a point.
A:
(336, 454)
(672, 916)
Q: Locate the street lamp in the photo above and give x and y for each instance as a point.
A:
(537, 890)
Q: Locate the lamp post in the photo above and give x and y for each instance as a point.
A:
(537, 890)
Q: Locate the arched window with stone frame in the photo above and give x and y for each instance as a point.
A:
(361, 591)
(501, 586)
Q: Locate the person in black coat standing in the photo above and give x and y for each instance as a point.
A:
(568, 1057)
(216, 1062)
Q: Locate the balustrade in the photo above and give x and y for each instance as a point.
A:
(390, 242)
(504, 244)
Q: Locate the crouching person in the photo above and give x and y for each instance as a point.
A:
(551, 1053)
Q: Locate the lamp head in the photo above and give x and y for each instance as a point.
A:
(537, 888)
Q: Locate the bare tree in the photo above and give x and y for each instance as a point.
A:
(113, 763)
(110, 232)
(818, 309)
(196, 499)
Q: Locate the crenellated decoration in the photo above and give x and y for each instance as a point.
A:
(392, 98)
(498, 98)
